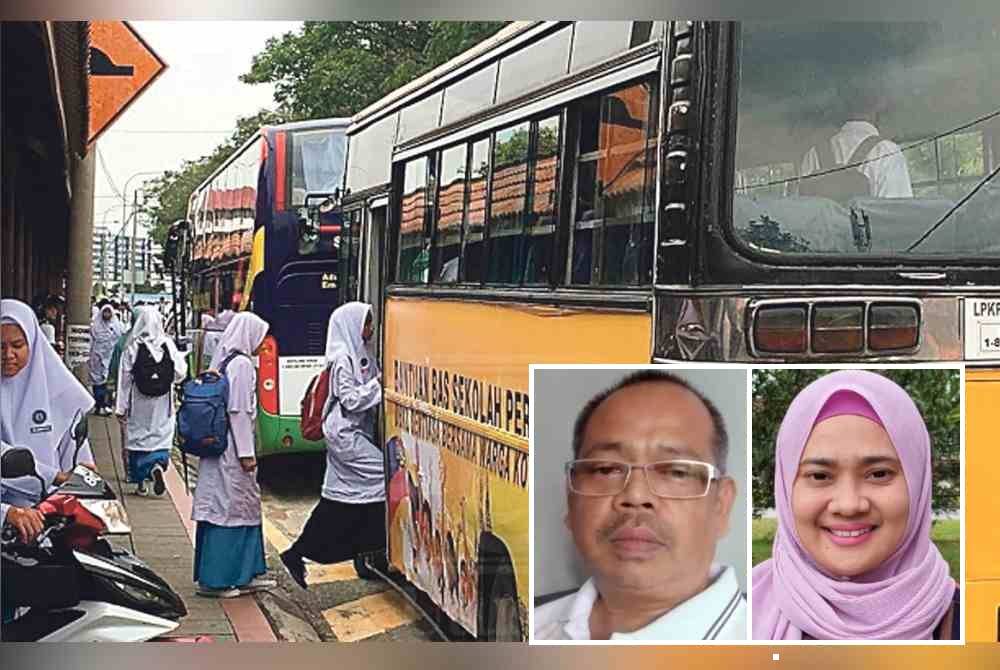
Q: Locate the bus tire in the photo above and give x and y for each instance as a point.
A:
(499, 609)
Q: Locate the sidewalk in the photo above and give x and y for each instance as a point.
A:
(163, 535)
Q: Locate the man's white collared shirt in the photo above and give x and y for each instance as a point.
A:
(717, 613)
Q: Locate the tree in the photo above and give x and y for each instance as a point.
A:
(935, 392)
(338, 69)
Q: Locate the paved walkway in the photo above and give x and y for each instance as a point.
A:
(163, 536)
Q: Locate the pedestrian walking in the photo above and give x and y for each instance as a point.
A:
(41, 402)
(229, 542)
(350, 516)
(105, 330)
(150, 366)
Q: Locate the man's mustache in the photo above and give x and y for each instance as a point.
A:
(626, 521)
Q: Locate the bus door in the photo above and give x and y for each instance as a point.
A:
(371, 273)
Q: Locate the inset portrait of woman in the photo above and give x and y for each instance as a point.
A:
(853, 557)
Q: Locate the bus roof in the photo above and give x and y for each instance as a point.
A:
(413, 89)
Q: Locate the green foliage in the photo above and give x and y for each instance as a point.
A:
(944, 534)
(935, 392)
(338, 69)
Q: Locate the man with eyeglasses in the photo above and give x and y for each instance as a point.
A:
(648, 500)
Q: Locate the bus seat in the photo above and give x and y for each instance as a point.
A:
(896, 223)
(811, 225)
(978, 225)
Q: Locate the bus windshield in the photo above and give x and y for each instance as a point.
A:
(318, 158)
(868, 139)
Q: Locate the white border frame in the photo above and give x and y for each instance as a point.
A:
(750, 369)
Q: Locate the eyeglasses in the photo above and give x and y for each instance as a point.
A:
(677, 479)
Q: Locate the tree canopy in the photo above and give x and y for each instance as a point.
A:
(323, 70)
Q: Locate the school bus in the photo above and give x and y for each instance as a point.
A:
(668, 191)
(507, 203)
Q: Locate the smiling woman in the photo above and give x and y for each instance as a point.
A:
(852, 556)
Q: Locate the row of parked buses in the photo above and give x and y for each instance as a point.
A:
(612, 192)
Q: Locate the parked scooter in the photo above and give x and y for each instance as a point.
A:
(70, 583)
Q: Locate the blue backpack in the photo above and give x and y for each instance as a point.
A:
(203, 417)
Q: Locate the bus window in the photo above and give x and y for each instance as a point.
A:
(349, 249)
(867, 138)
(317, 162)
(450, 210)
(615, 173)
(475, 219)
(508, 192)
(541, 224)
(414, 248)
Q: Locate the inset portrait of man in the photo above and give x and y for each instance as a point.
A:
(648, 492)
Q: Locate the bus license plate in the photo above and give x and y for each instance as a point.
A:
(982, 328)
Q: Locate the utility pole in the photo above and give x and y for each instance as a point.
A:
(131, 253)
(80, 266)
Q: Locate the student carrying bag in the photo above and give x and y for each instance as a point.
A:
(203, 417)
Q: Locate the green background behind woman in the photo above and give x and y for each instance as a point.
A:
(936, 393)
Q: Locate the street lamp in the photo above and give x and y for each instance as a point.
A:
(135, 222)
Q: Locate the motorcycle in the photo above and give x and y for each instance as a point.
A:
(70, 583)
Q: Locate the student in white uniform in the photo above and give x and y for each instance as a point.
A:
(648, 501)
(350, 516)
(41, 403)
(229, 542)
(148, 419)
(105, 330)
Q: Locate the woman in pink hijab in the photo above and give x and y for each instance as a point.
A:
(852, 557)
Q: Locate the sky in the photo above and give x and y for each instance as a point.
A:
(188, 110)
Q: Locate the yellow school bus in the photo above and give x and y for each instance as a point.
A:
(982, 541)
(507, 203)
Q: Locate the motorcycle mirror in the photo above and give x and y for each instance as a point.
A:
(17, 462)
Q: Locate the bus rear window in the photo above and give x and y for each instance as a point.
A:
(874, 139)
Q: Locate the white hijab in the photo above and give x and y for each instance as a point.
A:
(343, 338)
(44, 400)
(245, 333)
(206, 321)
(148, 329)
(105, 332)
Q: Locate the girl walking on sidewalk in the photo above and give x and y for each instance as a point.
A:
(150, 366)
(229, 542)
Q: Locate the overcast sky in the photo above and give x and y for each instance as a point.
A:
(189, 109)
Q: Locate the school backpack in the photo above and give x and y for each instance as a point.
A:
(314, 406)
(836, 181)
(153, 378)
(203, 417)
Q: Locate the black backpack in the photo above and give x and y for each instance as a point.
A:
(151, 377)
(839, 183)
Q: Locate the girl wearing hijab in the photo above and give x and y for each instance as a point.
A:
(148, 420)
(41, 403)
(229, 542)
(852, 557)
(213, 331)
(350, 516)
(105, 330)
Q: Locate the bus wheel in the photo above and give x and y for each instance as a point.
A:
(503, 616)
